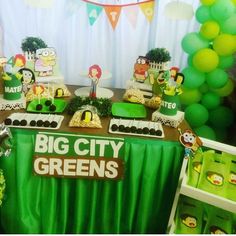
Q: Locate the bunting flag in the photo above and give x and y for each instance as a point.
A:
(93, 12)
(94, 9)
(72, 6)
(113, 14)
(148, 9)
(131, 13)
(40, 3)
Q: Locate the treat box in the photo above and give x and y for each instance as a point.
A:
(38, 121)
(136, 128)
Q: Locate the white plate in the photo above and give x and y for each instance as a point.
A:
(138, 124)
(101, 92)
(35, 117)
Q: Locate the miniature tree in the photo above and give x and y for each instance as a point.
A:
(158, 57)
(30, 45)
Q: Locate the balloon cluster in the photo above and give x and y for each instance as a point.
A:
(210, 53)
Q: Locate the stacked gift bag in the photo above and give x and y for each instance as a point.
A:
(195, 217)
(213, 172)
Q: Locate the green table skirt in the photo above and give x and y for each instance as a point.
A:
(140, 203)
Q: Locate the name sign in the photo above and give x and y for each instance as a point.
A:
(78, 156)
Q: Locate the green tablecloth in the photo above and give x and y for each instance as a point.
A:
(140, 203)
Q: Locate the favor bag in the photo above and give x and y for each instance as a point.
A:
(189, 216)
(231, 177)
(213, 175)
(219, 222)
(194, 169)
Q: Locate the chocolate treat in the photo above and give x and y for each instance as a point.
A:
(16, 122)
(54, 124)
(7, 121)
(127, 129)
(114, 127)
(158, 132)
(23, 122)
(46, 123)
(48, 102)
(133, 129)
(39, 107)
(39, 123)
(32, 123)
(152, 131)
(145, 130)
(139, 130)
(52, 107)
(121, 128)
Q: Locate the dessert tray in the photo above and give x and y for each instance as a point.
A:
(128, 110)
(136, 128)
(39, 121)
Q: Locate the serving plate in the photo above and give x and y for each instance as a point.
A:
(59, 103)
(128, 110)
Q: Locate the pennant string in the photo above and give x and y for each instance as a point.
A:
(120, 5)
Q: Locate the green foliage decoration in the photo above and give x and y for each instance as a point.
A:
(31, 44)
(103, 105)
(158, 55)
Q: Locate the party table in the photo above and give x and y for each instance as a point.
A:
(139, 202)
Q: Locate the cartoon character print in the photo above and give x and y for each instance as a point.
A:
(232, 177)
(141, 69)
(216, 230)
(27, 79)
(189, 221)
(190, 141)
(173, 86)
(45, 60)
(95, 73)
(215, 178)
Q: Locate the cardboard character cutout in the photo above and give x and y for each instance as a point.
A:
(45, 61)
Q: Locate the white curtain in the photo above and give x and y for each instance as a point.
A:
(80, 45)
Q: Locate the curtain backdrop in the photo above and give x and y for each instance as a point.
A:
(79, 45)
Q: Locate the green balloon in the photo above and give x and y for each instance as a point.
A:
(222, 9)
(203, 14)
(226, 90)
(190, 96)
(203, 88)
(221, 134)
(210, 29)
(192, 42)
(205, 132)
(190, 60)
(221, 117)
(210, 100)
(205, 60)
(228, 26)
(217, 78)
(224, 44)
(192, 77)
(196, 115)
(225, 62)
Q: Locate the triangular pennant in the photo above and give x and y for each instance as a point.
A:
(132, 12)
(93, 12)
(113, 14)
(148, 9)
(40, 3)
(72, 6)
